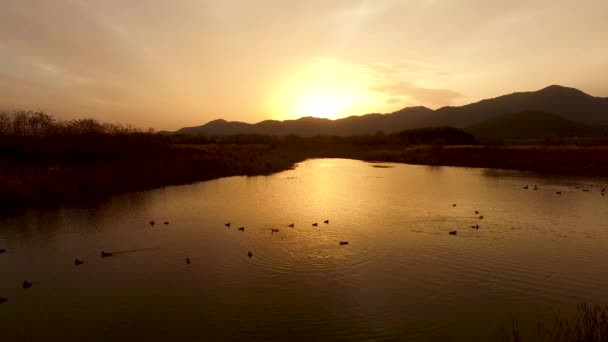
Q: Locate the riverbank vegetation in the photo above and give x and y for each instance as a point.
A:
(589, 325)
(47, 161)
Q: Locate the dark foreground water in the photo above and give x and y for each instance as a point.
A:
(401, 277)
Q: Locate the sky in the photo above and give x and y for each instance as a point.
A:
(168, 64)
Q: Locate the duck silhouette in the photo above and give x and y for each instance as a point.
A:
(291, 225)
(526, 187)
(475, 226)
(27, 284)
(105, 254)
(453, 232)
(187, 260)
(273, 230)
(558, 192)
(2, 250)
(326, 221)
(242, 229)
(3, 300)
(342, 243)
(166, 222)
(227, 224)
(78, 262)
(453, 205)
(476, 212)
(315, 224)
(481, 217)
(249, 254)
(151, 223)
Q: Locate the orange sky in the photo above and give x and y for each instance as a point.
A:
(168, 64)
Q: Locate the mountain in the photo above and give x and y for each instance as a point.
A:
(567, 103)
(533, 125)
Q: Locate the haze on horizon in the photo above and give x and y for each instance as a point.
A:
(167, 64)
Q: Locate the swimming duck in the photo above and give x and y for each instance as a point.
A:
(187, 260)
(249, 254)
(314, 224)
(274, 230)
(526, 187)
(242, 229)
(475, 226)
(3, 300)
(2, 250)
(78, 262)
(151, 223)
(326, 221)
(476, 212)
(166, 222)
(291, 225)
(558, 192)
(453, 205)
(342, 243)
(27, 284)
(586, 190)
(453, 232)
(227, 224)
(105, 254)
(481, 217)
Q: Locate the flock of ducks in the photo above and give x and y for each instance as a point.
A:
(104, 254)
(535, 187)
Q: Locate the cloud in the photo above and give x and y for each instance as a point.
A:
(424, 96)
(400, 82)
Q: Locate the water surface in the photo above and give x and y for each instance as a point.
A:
(401, 277)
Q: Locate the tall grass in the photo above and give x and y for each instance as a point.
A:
(590, 325)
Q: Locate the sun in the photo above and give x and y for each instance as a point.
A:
(323, 89)
(321, 106)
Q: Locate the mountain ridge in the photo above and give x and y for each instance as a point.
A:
(569, 103)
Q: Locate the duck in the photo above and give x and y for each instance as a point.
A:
(3, 300)
(291, 225)
(475, 226)
(187, 260)
(586, 190)
(453, 205)
(78, 262)
(453, 232)
(27, 284)
(558, 192)
(481, 217)
(274, 230)
(315, 224)
(242, 229)
(105, 254)
(342, 243)
(227, 224)
(526, 187)
(476, 212)
(151, 223)
(166, 222)
(326, 221)
(2, 250)
(535, 187)
(249, 254)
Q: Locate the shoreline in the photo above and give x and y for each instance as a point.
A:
(47, 185)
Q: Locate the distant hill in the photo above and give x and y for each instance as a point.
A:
(568, 103)
(534, 125)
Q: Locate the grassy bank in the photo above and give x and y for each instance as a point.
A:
(43, 161)
(589, 325)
